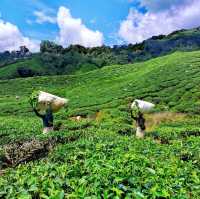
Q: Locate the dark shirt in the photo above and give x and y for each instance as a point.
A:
(47, 118)
(139, 120)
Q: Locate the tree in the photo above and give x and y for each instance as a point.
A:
(50, 47)
(23, 50)
(25, 72)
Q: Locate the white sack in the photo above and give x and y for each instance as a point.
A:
(142, 105)
(46, 99)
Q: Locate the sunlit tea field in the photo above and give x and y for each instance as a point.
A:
(98, 156)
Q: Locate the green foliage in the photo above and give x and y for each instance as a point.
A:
(98, 156)
(51, 47)
(135, 111)
(32, 67)
(34, 99)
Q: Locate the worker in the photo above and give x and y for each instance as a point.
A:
(47, 119)
(137, 115)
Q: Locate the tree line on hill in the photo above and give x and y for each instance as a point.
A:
(76, 57)
(8, 57)
(59, 60)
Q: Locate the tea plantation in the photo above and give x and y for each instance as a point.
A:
(99, 156)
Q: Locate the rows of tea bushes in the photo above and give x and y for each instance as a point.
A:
(99, 156)
(171, 81)
(102, 163)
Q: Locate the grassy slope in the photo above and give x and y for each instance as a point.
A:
(172, 81)
(102, 161)
(10, 71)
(39, 69)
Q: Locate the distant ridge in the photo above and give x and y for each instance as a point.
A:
(56, 60)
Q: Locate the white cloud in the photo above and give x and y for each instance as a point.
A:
(138, 26)
(158, 5)
(73, 31)
(39, 5)
(42, 17)
(11, 38)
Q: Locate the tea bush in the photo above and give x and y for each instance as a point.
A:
(99, 155)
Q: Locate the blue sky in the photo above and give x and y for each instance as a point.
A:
(104, 16)
(92, 22)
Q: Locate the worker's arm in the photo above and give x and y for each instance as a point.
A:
(38, 114)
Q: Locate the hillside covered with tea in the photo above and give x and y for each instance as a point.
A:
(99, 156)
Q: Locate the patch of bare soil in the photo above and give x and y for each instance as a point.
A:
(154, 119)
(24, 151)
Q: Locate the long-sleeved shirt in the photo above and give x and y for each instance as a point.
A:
(47, 118)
